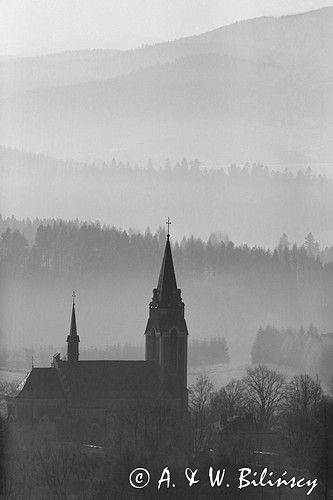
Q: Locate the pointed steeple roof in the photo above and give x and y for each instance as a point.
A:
(73, 339)
(73, 329)
(167, 284)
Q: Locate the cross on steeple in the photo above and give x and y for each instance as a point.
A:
(168, 348)
(73, 339)
(168, 224)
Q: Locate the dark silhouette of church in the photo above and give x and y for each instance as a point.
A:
(95, 388)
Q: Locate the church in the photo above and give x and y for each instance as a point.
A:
(95, 389)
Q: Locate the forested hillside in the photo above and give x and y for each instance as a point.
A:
(304, 350)
(252, 203)
(228, 290)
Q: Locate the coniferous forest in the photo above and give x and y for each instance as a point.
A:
(230, 290)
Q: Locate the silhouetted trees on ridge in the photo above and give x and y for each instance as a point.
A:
(230, 289)
(34, 164)
(303, 350)
(211, 351)
(73, 246)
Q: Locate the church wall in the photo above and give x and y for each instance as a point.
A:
(32, 410)
(48, 408)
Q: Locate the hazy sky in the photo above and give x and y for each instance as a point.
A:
(30, 27)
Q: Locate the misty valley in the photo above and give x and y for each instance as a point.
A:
(233, 292)
(166, 251)
(252, 249)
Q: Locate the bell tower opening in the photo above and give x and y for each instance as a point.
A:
(153, 344)
(173, 351)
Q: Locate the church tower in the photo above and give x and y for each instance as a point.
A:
(166, 332)
(73, 339)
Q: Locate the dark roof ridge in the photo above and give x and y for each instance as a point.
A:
(80, 361)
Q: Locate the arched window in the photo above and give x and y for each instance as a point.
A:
(173, 360)
(158, 348)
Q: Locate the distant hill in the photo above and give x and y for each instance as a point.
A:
(247, 202)
(296, 39)
(257, 90)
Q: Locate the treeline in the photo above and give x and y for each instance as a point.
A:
(303, 350)
(208, 352)
(31, 164)
(27, 227)
(261, 420)
(268, 420)
(200, 352)
(60, 247)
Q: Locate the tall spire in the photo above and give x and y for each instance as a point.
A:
(166, 331)
(167, 284)
(73, 339)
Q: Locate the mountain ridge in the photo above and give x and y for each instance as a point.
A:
(184, 38)
(263, 96)
(40, 70)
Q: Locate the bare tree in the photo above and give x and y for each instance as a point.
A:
(199, 394)
(300, 420)
(265, 393)
(230, 400)
(57, 463)
(199, 399)
(150, 429)
(330, 387)
(303, 395)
